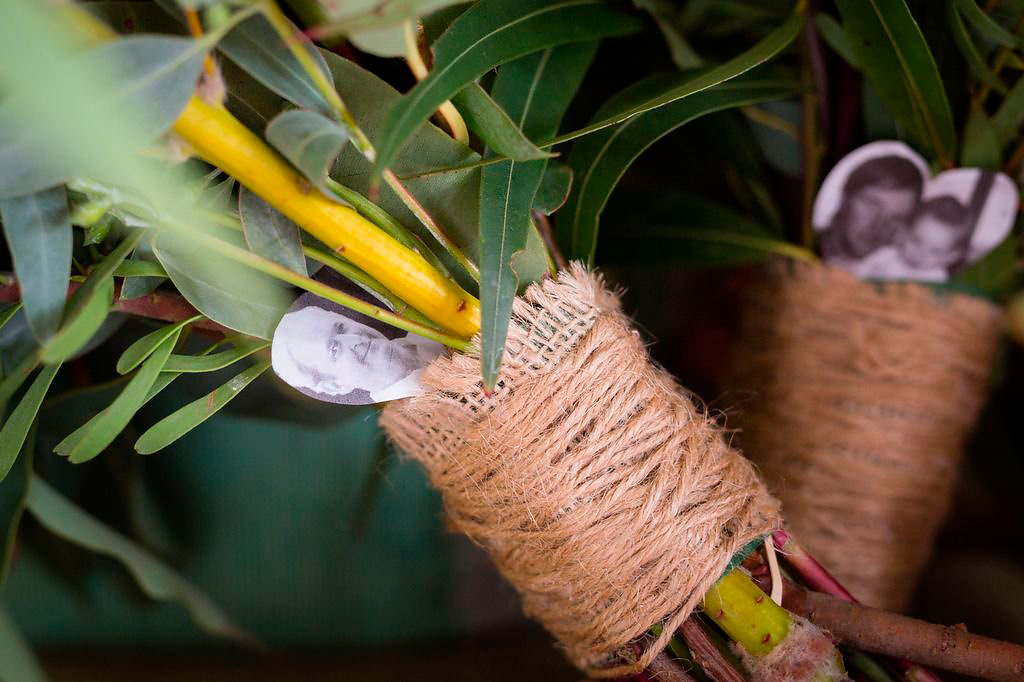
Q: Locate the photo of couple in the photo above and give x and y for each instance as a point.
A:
(881, 215)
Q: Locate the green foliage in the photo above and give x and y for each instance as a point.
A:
(177, 424)
(17, 426)
(210, 363)
(488, 34)
(67, 520)
(224, 291)
(269, 233)
(895, 58)
(490, 122)
(135, 354)
(600, 160)
(99, 432)
(309, 141)
(535, 91)
(38, 235)
(256, 47)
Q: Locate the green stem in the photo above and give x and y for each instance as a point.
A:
(282, 273)
(353, 273)
(291, 38)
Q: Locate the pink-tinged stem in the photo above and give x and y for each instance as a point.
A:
(819, 579)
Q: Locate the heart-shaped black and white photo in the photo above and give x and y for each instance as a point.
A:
(337, 355)
(881, 215)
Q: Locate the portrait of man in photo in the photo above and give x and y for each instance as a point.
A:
(337, 355)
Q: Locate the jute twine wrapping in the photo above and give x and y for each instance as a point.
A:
(863, 396)
(603, 494)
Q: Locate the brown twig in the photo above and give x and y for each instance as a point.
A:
(947, 647)
(158, 305)
(706, 654)
(664, 669)
(548, 235)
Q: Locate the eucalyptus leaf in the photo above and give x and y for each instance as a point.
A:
(85, 444)
(16, 377)
(212, 363)
(488, 34)
(452, 199)
(554, 188)
(18, 664)
(535, 90)
(980, 148)
(270, 233)
(492, 125)
(153, 78)
(39, 238)
(13, 492)
(89, 304)
(996, 274)
(81, 326)
(311, 143)
(17, 426)
(704, 235)
(986, 25)
(356, 17)
(161, 382)
(894, 56)
(831, 31)
(142, 348)
(974, 59)
(141, 282)
(224, 291)
(600, 160)
(671, 19)
(65, 519)
(1009, 117)
(669, 90)
(177, 424)
(256, 47)
(8, 312)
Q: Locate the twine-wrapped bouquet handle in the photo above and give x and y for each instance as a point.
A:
(603, 493)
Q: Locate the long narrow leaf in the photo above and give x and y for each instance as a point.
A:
(17, 426)
(671, 91)
(38, 234)
(87, 319)
(94, 440)
(986, 25)
(895, 58)
(599, 161)
(311, 143)
(18, 664)
(13, 495)
(65, 519)
(135, 354)
(494, 126)
(975, 61)
(176, 425)
(211, 363)
(16, 377)
(488, 34)
(257, 48)
(535, 90)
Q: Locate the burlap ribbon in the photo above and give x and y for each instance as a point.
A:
(602, 492)
(863, 396)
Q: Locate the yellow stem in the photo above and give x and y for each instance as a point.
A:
(746, 613)
(224, 142)
(452, 117)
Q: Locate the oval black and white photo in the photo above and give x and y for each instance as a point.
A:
(881, 215)
(337, 355)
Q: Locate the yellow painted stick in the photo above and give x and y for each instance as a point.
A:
(219, 138)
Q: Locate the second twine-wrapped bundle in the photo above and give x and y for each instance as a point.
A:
(863, 394)
(602, 492)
